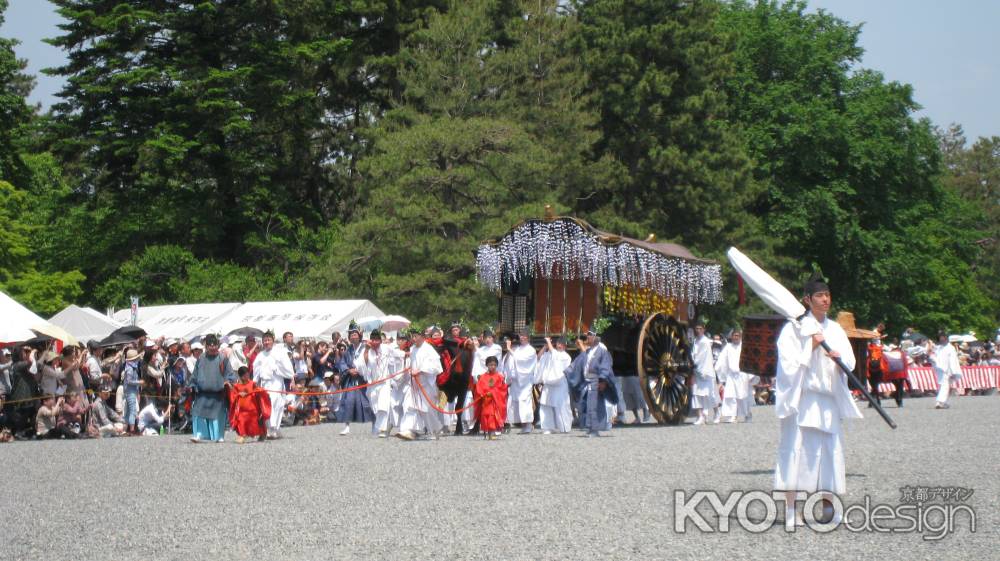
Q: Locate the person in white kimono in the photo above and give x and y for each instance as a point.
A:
(418, 415)
(519, 370)
(944, 357)
(486, 347)
(399, 356)
(811, 399)
(374, 364)
(271, 368)
(705, 393)
(554, 412)
(738, 391)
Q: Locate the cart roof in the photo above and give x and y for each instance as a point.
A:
(569, 248)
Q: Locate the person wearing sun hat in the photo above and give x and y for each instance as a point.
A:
(131, 384)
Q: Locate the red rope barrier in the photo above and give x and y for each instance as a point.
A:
(342, 390)
(438, 409)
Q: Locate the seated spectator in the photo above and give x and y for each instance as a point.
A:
(329, 408)
(71, 412)
(46, 420)
(150, 420)
(299, 407)
(313, 404)
(104, 421)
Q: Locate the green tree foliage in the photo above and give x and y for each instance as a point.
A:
(165, 274)
(228, 127)
(487, 130)
(656, 68)
(851, 179)
(26, 273)
(331, 148)
(973, 173)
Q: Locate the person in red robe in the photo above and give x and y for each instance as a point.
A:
(249, 408)
(491, 394)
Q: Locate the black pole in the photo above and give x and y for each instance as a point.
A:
(861, 386)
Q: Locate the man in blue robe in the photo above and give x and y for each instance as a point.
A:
(354, 405)
(590, 377)
(211, 378)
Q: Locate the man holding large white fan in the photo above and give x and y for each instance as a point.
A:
(811, 399)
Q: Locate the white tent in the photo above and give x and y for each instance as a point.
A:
(17, 321)
(175, 320)
(315, 319)
(84, 323)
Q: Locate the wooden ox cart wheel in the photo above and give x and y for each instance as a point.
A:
(664, 363)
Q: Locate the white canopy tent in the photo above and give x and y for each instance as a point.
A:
(84, 323)
(175, 320)
(17, 321)
(313, 319)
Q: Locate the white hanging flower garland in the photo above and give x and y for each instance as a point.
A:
(566, 250)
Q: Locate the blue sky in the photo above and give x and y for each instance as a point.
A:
(948, 51)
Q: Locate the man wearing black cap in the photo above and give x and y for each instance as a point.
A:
(418, 415)
(554, 411)
(354, 405)
(593, 380)
(399, 353)
(271, 370)
(811, 399)
(519, 366)
(212, 375)
(376, 364)
(704, 394)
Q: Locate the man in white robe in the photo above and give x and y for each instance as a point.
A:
(554, 412)
(271, 369)
(399, 356)
(520, 373)
(375, 363)
(811, 399)
(946, 366)
(486, 347)
(738, 391)
(705, 394)
(418, 415)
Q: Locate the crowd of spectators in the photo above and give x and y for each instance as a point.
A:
(142, 387)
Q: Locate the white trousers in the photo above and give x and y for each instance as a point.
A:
(555, 419)
(416, 421)
(520, 405)
(732, 407)
(381, 422)
(277, 411)
(809, 459)
(944, 389)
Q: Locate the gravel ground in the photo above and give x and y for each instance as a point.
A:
(316, 495)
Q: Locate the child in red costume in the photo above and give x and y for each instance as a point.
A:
(249, 408)
(491, 396)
